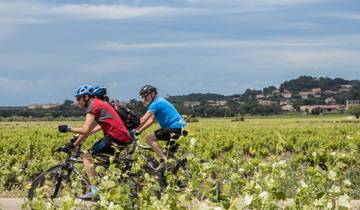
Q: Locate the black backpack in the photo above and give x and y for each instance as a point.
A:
(128, 116)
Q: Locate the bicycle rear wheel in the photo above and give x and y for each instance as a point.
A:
(55, 181)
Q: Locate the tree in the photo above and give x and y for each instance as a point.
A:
(268, 90)
(67, 103)
(355, 110)
(316, 111)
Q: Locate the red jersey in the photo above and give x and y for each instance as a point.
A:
(108, 119)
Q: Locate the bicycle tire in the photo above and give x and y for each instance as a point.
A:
(162, 180)
(55, 179)
(182, 173)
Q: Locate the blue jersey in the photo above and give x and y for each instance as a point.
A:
(166, 114)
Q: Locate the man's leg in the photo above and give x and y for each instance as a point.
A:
(101, 146)
(89, 167)
(151, 140)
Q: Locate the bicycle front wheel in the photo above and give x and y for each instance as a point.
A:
(55, 181)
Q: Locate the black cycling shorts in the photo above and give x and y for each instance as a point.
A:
(106, 146)
(166, 134)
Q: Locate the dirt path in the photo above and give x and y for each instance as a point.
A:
(11, 203)
(15, 203)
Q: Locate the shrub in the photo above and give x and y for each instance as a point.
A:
(355, 110)
(238, 119)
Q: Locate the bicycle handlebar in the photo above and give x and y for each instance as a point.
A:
(68, 151)
(62, 149)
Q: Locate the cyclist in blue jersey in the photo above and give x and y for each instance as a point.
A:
(165, 113)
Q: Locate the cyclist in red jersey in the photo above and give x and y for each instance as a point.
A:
(99, 116)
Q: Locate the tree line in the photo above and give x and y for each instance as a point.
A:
(236, 104)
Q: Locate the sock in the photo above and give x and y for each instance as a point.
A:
(93, 189)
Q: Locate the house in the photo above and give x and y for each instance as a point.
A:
(286, 94)
(221, 103)
(345, 88)
(324, 108)
(304, 94)
(260, 96)
(191, 104)
(329, 93)
(34, 106)
(270, 96)
(286, 102)
(288, 108)
(43, 106)
(217, 103)
(316, 92)
(276, 92)
(330, 100)
(265, 102)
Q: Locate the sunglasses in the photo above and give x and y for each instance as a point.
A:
(144, 96)
(78, 98)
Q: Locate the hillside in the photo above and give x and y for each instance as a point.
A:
(304, 94)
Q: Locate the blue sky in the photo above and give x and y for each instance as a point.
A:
(48, 48)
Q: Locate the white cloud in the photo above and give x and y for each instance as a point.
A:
(256, 3)
(206, 44)
(10, 20)
(317, 42)
(112, 11)
(351, 16)
(34, 12)
(320, 60)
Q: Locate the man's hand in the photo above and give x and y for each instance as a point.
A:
(64, 128)
(137, 132)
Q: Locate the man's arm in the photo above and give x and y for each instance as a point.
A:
(82, 137)
(95, 130)
(88, 126)
(146, 121)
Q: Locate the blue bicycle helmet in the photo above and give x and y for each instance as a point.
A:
(83, 90)
(99, 91)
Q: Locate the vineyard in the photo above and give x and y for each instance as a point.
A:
(251, 164)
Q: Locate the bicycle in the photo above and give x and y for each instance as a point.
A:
(69, 174)
(177, 166)
(50, 181)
